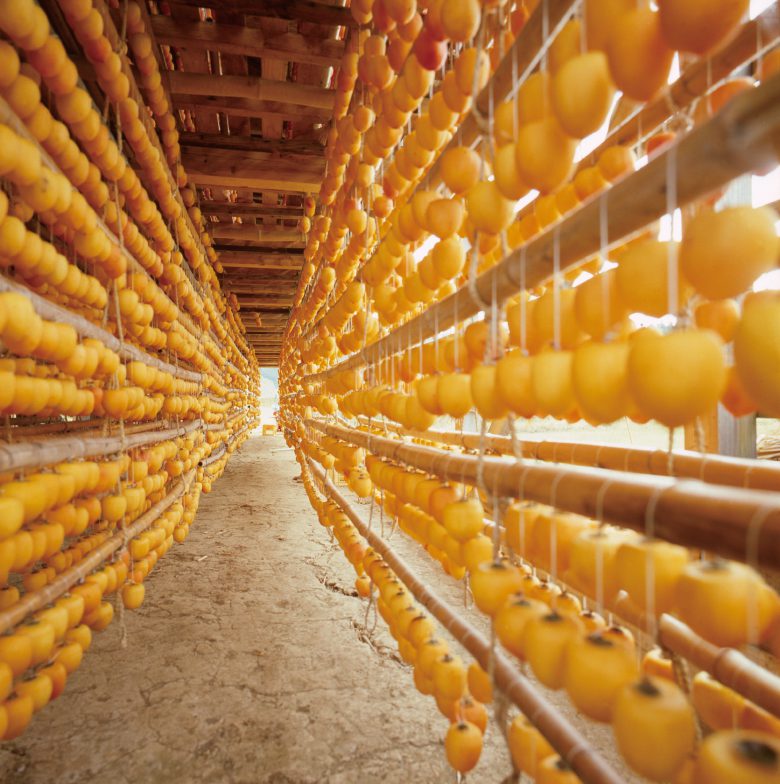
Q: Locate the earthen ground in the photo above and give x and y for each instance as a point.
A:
(248, 663)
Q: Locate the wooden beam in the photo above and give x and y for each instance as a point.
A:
(251, 211)
(247, 280)
(273, 311)
(285, 178)
(261, 302)
(263, 288)
(234, 284)
(250, 208)
(268, 318)
(296, 253)
(249, 232)
(247, 40)
(254, 262)
(248, 195)
(251, 144)
(295, 10)
(261, 257)
(242, 107)
(271, 276)
(221, 158)
(251, 87)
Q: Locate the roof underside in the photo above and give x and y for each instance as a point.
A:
(251, 82)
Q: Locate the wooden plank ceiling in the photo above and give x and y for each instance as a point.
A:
(252, 85)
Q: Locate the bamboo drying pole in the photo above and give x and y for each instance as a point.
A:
(716, 469)
(225, 446)
(86, 329)
(533, 38)
(567, 741)
(753, 38)
(219, 452)
(118, 45)
(35, 600)
(739, 139)
(732, 522)
(9, 117)
(728, 665)
(248, 426)
(88, 426)
(32, 454)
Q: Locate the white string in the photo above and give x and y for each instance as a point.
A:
(671, 207)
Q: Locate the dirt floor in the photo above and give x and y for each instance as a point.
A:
(248, 663)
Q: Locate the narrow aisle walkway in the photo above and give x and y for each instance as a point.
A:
(243, 666)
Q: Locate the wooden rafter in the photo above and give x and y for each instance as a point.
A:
(251, 87)
(206, 172)
(227, 160)
(227, 211)
(247, 40)
(219, 141)
(257, 260)
(253, 233)
(259, 123)
(264, 302)
(269, 319)
(271, 316)
(235, 284)
(260, 288)
(244, 107)
(298, 10)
